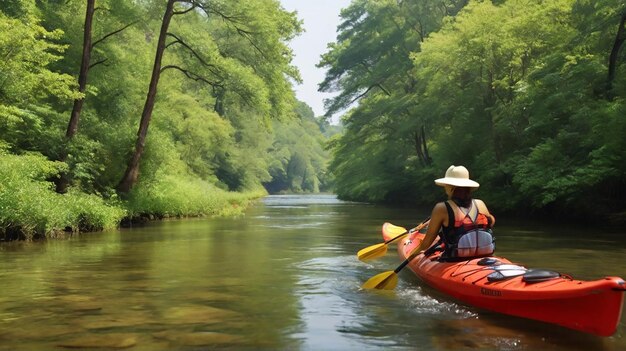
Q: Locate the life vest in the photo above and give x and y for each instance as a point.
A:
(468, 234)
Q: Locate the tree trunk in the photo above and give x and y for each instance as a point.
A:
(219, 101)
(427, 158)
(72, 127)
(417, 143)
(619, 40)
(132, 170)
(419, 140)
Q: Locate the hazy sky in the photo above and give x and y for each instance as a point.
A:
(321, 18)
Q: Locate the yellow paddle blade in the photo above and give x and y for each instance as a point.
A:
(394, 230)
(383, 281)
(372, 252)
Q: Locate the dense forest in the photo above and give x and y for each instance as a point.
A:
(126, 109)
(529, 95)
(113, 109)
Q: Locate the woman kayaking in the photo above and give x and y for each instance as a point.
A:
(493, 283)
(463, 223)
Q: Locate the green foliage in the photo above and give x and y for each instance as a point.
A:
(298, 158)
(226, 86)
(175, 195)
(32, 128)
(27, 49)
(514, 90)
(28, 116)
(375, 158)
(30, 208)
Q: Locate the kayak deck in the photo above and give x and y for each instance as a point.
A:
(498, 285)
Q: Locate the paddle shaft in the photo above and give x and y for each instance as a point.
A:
(403, 264)
(413, 255)
(418, 227)
(389, 279)
(395, 238)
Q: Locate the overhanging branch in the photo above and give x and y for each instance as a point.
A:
(97, 63)
(111, 34)
(236, 21)
(192, 75)
(178, 40)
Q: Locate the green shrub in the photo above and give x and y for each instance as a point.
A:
(181, 196)
(30, 208)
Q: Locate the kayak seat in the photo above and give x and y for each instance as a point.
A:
(539, 275)
(444, 258)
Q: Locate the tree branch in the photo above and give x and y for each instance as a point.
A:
(191, 75)
(208, 11)
(367, 91)
(383, 89)
(111, 34)
(235, 21)
(97, 63)
(194, 6)
(178, 40)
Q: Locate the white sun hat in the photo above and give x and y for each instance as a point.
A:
(457, 176)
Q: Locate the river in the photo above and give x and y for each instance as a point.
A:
(283, 277)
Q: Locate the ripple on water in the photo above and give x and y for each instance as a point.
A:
(424, 304)
(330, 264)
(285, 206)
(298, 225)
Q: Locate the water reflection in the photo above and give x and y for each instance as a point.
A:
(284, 277)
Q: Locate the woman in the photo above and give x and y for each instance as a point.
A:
(465, 223)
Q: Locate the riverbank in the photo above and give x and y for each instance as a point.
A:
(92, 214)
(30, 209)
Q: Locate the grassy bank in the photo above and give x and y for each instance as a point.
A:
(31, 209)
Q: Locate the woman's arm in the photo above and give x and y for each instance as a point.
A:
(438, 218)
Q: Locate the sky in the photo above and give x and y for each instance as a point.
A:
(321, 18)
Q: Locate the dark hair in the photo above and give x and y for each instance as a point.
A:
(462, 196)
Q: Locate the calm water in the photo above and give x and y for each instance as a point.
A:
(284, 277)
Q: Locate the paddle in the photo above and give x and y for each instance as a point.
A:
(380, 250)
(388, 280)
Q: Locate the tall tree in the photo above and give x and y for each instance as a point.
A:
(254, 71)
(80, 58)
(370, 67)
(515, 90)
(132, 169)
(620, 37)
(86, 64)
(72, 126)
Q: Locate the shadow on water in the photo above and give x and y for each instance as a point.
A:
(284, 277)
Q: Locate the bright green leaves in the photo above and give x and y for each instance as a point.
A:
(298, 161)
(515, 90)
(28, 202)
(250, 47)
(371, 68)
(483, 59)
(27, 49)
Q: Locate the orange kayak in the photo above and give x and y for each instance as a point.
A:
(498, 285)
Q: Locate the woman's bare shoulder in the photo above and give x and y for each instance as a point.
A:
(482, 207)
(440, 210)
(439, 206)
